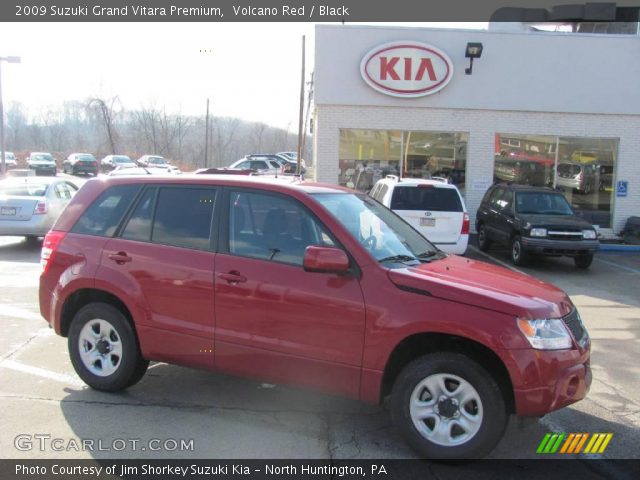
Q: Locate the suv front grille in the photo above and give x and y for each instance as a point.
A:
(565, 234)
(575, 326)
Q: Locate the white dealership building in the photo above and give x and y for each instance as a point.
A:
(537, 107)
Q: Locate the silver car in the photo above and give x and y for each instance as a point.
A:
(29, 206)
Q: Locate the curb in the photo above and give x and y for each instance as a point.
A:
(613, 247)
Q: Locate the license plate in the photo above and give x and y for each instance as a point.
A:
(427, 222)
(8, 211)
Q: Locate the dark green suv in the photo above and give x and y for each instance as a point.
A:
(534, 220)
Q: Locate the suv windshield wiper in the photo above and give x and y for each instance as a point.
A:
(398, 258)
(432, 255)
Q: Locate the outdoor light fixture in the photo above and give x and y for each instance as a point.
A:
(474, 50)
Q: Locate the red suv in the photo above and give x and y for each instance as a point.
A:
(311, 285)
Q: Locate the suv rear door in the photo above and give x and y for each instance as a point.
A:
(162, 259)
(436, 211)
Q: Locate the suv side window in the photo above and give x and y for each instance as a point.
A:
(495, 196)
(139, 224)
(105, 213)
(487, 195)
(506, 200)
(271, 227)
(183, 217)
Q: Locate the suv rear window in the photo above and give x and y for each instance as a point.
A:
(568, 169)
(105, 213)
(436, 199)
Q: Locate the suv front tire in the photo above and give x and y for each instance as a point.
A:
(448, 407)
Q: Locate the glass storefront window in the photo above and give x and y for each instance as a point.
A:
(369, 155)
(583, 168)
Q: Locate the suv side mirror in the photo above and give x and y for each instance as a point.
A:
(325, 260)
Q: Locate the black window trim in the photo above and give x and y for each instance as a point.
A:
(223, 231)
(213, 241)
(125, 214)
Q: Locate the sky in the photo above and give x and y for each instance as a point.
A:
(247, 70)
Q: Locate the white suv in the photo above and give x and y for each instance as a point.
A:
(434, 208)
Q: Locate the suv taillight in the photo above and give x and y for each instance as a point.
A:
(465, 224)
(41, 208)
(49, 246)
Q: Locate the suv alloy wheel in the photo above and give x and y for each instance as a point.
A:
(104, 349)
(447, 406)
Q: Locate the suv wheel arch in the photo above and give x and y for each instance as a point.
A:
(418, 345)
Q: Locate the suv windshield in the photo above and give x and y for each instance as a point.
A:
(426, 197)
(384, 234)
(42, 157)
(542, 203)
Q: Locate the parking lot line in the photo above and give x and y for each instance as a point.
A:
(617, 265)
(41, 372)
(494, 259)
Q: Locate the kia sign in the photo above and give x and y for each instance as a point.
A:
(406, 69)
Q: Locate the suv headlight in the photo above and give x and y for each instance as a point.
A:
(538, 232)
(589, 234)
(545, 334)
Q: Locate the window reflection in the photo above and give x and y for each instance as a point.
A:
(366, 156)
(583, 168)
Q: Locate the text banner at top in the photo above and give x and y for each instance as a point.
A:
(346, 11)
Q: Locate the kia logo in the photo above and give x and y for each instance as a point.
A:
(427, 214)
(406, 69)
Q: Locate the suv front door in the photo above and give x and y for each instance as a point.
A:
(274, 320)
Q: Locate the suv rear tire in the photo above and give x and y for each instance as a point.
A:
(519, 256)
(483, 242)
(104, 349)
(427, 408)
(583, 261)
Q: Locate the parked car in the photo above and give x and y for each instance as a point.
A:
(581, 177)
(42, 163)
(260, 163)
(128, 170)
(156, 268)
(514, 170)
(434, 208)
(157, 161)
(30, 205)
(10, 160)
(77, 163)
(584, 157)
(110, 162)
(535, 220)
(290, 156)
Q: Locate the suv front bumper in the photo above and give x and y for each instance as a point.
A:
(546, 246)
(555, 379)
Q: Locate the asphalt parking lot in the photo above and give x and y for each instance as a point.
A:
(219, 416)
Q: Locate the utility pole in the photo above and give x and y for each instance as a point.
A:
(300, 126)
(206, 138)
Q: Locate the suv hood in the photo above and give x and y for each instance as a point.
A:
(558, 221)
(483, 285)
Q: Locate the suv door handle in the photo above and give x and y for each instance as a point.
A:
(120, 258)
(232, 277)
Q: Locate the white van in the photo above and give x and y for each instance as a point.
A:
(434, 208)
